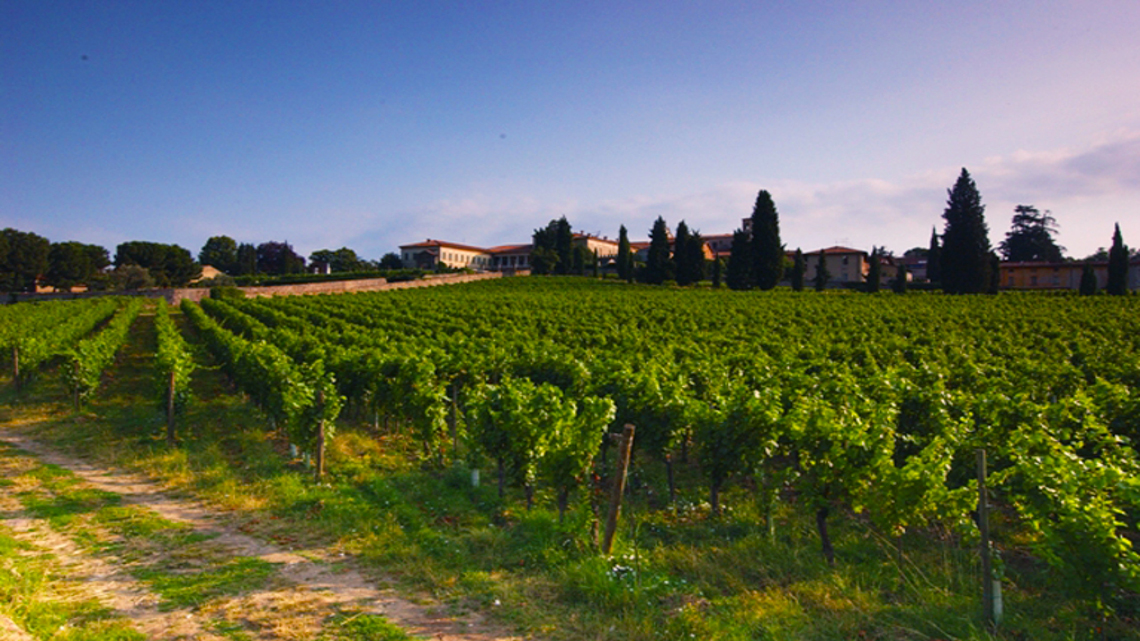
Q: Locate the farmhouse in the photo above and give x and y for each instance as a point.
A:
(1064, 275)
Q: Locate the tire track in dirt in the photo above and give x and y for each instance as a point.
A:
(315, 585)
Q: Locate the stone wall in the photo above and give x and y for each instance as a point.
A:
(177, 295)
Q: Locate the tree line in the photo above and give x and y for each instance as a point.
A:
(960, 260)
(28, 259)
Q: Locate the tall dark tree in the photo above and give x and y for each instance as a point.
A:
(965, 261)
(564, 245)
(1088, 280)
(680, 268)
(246, 260)
(799, 268)
(717, 272)
(822, 276)
(624, 256)
(898, 285)
(1117, 265)
(739, 273)
(25, 260)
(934, 259)
(875, 273)
(72, 263)
(688, 255)
(658, 266)
(277, 258)
(995, 274)
(1031, 237)
(767, 251)
(220, 252)
(168, 265)
(694, 251)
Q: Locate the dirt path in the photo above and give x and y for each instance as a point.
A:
(308, 586)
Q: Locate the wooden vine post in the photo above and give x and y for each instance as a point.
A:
(618, 487)
(320, 462)
(16, 366)
(991, 589)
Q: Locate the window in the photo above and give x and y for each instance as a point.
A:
(1033, 281)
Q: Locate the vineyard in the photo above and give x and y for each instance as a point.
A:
(804, 465)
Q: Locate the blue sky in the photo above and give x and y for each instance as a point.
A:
(371, 124)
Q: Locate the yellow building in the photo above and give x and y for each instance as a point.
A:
(428, 254)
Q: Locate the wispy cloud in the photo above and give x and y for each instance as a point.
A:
(1088, 189)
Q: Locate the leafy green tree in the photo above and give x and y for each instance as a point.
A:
(658, 266)
(278, 258)
(246, 260)
(739, 274)
(875, 273)
(1117, 265)
(717, 272)
(624, 256)
(1088, 280)
(767, 250)
(391, 260)
(72, 263)
(169, 265)
(544, 256)
(26, 260)
(934, 259)
(822, 276)
(799, 268)
(965, 241)
(220, 252)
(1031, 237)
(340, 260)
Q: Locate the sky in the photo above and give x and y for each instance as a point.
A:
(374, 124)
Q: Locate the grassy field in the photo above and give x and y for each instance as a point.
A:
(674, 574)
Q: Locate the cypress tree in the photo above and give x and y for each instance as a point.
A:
(798, 269)
(717, 272)
(739, 273)
(681, 267)
(875, 274)
(966, 265)
(898, 285)
(1088, 280)
(595, 263)
(1117, 265)
(625, 256)
(767, 251)
(934, 259)
(821, 273)
(657, 263)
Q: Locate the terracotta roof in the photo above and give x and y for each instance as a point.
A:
(510, 249)
(444, 243)
(836, 250)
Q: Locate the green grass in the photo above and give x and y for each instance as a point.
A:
(361, 627)
(35, 593)
(191, 588)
